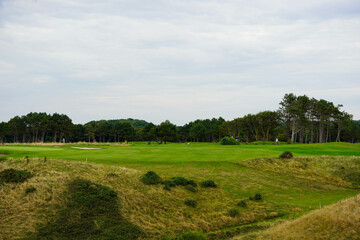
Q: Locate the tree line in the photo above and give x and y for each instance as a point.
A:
(299, 119)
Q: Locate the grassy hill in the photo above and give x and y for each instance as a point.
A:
(289, 188)
(338, 221)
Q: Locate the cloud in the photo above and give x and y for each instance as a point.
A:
(176, 60)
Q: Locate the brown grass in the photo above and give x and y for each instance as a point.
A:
(337, 221)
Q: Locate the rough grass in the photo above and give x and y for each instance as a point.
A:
(338, 221)
(92, 212)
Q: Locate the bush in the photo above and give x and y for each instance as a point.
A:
(193, 236)
(30, 190)
(180, 181)
(190, 188)
(233, 212)
(208, 183)
(289, 141)
(286, 154)
(14, 176)
(190, 203)
(192, 183)
(167, 188)
(257, 197)
(228, 141)
(151, 178)
(169, 183)
(242, 203)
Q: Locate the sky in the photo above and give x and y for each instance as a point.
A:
(176, 60)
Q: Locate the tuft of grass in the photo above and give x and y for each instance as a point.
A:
(208, 183)
(30, 190)
(14, 176)
(233, 212)
(257, 197)
(91, 213)
(242, 203)
(190, 203)
(151, 178)
(190, 188)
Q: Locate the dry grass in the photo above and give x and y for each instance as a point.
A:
(159, 213)
(338, 221)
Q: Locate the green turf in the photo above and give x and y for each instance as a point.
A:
(202, 161)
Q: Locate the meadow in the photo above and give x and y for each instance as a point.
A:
(319, 175)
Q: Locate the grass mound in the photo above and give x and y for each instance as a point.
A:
(286, 154)
(338, 221)
(14, 176)
(92, 212)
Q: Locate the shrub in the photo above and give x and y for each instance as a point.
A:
(193, 236)
(257, 197)
(228, 141)
(180, 181)
(192, 183)
(289, 141)
(233, 212)
(208, 183)
(286, 154)
(167, 188)
(190, 188)
(30, 190)
(151, 178)
(14, 176)
(190, 203)
(169, 183)
(242, 203)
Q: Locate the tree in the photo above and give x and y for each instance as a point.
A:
(166, 131)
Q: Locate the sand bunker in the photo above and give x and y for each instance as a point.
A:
(86, 148)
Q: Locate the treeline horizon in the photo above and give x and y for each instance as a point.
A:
(299, 119)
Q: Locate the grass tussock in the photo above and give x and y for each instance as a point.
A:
(338, 221)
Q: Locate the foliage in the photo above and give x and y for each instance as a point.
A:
(208, 183)
(242, 203)
(190, 188)
(193, 235)
(257, 197)
(286, 154)
(14, 176)
(228, 141)
(233, 212)
(92, 212)
(190, 203)
(30, 190)
(151, 178)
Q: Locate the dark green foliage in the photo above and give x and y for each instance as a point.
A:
(233, 212)
(190, 188)
(242, 203)
(92, 212)
(257, 197)
(192, 183)
(208, 183)
(30, 190)
(228, 141)
(193, 236)
(180, 181)
(169, 183)
(286, 154)
(167, 188)
(14, 176)
(190, 203)
(151, 178)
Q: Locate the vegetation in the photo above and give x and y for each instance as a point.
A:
(300, 119)
(30, 190)
(14, 176)
(290, 187)
(242, 203)
(190, 203)
(286, 154)
(208, 183)
(193, 235)
(151, 178)
(228, 141)
(233, 212)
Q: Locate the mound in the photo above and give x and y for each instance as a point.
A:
(338, 221)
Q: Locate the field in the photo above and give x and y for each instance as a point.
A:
(319, 175)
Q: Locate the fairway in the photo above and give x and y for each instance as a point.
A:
(288, 188)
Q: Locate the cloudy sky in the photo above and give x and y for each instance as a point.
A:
(179, 60)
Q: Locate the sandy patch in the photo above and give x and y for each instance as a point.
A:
(86, 148)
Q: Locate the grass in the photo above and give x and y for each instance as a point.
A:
(289, 188)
